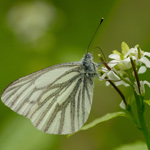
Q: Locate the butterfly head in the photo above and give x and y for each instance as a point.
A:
(88, 64)
(88, 56)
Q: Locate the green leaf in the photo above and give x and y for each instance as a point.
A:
(103, 119)
(139, 145)
(125, 48)
(130, 99)
(147, 102)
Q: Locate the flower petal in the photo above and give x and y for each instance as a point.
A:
(143, 85)
(107, 83)
(114, 56)
(124, 64)
(118, 83)
(131, 51)
(146, 82)
(145, 61)
(112, 76)
(113, 63)
(142, 70)
(146, 54)
(103, 76)
(122, 105)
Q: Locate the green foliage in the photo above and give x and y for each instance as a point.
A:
(104, 118)
(147, 102)
(134, 146)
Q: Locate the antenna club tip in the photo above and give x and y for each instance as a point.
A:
(101, 20)
(99, 55)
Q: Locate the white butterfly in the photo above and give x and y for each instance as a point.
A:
(57, 99)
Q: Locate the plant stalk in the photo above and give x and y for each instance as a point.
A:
(140, 111)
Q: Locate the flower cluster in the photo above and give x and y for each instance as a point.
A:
(123, 64)
(125, 68)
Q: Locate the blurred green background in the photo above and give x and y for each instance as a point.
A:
(38, 34)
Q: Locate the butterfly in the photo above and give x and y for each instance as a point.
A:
(57, 99)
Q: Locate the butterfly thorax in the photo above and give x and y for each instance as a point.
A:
(89, 66)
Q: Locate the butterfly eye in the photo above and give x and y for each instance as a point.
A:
(88, 56)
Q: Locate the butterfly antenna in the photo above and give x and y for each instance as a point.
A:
(94, 35)
(100, 51)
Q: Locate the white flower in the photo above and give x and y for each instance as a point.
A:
(139, 56)
(142, 69)
(124, 64)
(121, 67)
(123, 61)
(142, 86)
(122, 105)
(124, 68)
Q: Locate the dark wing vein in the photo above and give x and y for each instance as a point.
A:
(45, 108)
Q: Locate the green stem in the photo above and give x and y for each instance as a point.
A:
(140, 111)
(132, 117)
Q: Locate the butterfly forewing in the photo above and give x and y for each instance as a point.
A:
(57, 99)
